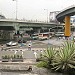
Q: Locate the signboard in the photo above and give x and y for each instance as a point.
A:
(52, 16)
(72, 20)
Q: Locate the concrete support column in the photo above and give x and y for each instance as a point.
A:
(16, 26)
(67, 26)
(39, 30)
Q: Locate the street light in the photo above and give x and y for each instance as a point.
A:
(47, 14)
(16, 7)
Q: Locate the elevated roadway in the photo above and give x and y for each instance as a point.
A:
(8, 27)
(19, 23)
(70, 11)
(64, 17)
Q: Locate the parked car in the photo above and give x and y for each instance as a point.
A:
(11, 43)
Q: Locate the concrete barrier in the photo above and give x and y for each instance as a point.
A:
(15, 66)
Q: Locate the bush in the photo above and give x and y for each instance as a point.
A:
(42, 64)
(62, 60)
(65, 58)
(47, 57)
(12, 56)
(17, 56)
(3, 57)
(6, 57)
(21, 56)
(38, 59)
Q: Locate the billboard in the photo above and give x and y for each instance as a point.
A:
(72, 20)
(52, 16)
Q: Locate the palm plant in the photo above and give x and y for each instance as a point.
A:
(65, 58)
(48, 56)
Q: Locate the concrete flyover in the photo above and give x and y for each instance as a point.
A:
(11, 22)
(20, 24)
(9, 27)
(64, 16)
(70, 11)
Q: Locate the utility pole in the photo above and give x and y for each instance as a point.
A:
(16, 7)
(47, 14)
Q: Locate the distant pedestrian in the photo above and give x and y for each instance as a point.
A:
(30, 68)
(63, 38)
(15, 52)
(59, 38)
(1, 47)
(29, 45)
(35, 54)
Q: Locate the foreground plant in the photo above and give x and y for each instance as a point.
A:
(48, 56)
(65, 59)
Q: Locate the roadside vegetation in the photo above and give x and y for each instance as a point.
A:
(12, 56)
(61, 60)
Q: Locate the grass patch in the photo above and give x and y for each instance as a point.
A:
(42, 64)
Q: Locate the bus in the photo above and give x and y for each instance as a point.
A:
(59, 34)
(34, 36)
(43, 36)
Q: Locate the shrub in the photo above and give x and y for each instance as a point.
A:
(65, 59)
(47, 57)
(21, 56)
(3, 57)
(49, 54)
(6, 57)
(39, 58)
(17, 56)
(42, 64)
(14, 56)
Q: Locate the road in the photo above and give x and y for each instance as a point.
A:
(36, 49)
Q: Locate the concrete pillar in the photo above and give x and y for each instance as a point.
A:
(39, 30)
(16, 26)
(67, 26)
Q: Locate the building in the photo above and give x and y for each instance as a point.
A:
(2, 16)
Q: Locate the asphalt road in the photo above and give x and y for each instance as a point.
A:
(36, 49)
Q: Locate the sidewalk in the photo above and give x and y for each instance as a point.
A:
(25, 62)
(57, 42)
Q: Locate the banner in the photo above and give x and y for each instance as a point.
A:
(52, 16)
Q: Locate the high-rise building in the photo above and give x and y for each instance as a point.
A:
(2, 16)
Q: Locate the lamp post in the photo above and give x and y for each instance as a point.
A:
(47, 14)
(16, 7)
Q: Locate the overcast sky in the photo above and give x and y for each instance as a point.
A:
(32, 9)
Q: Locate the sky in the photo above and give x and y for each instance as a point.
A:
(32, 9)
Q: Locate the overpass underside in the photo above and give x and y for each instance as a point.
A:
(6, 32)
(7, 28)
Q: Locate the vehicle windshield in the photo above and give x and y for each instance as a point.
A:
(35, 35)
